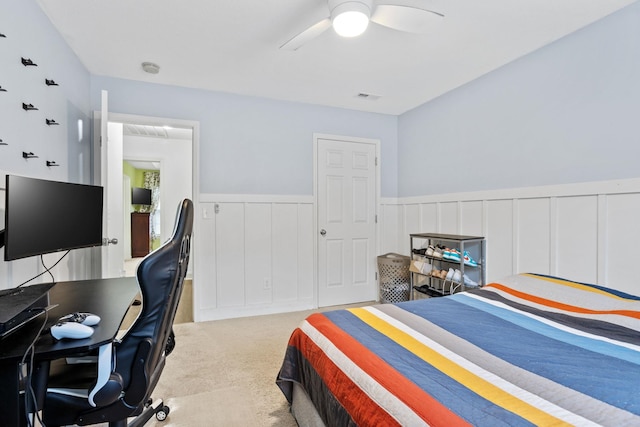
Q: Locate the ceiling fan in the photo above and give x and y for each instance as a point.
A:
(350, 18)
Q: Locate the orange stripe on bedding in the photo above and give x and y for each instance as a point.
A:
(559, 305)
(423, 404)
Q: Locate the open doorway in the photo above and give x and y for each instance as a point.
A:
(157, 159)
(143, 210)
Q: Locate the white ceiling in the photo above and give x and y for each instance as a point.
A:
(233, 46)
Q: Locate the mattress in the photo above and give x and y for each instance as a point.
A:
(527, 350)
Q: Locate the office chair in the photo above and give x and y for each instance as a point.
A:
(128, 370)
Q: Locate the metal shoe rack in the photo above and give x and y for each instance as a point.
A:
(424, 284)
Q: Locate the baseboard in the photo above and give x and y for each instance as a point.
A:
(248, 311)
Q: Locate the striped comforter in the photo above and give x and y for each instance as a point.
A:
(529, 350)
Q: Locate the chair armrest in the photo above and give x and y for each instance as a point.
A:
(139, 383)
(108, 386)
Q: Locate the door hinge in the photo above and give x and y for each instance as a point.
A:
(376, 218)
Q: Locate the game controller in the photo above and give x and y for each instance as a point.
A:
(87, 319)
(72, 330)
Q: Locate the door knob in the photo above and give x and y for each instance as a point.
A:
(106, 241)
(323, 232)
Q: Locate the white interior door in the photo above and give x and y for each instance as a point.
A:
(111, 180)
(346, 201)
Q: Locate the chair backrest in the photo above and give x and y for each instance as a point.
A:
(160, 276)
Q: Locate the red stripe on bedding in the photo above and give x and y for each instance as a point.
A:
(423, 404)
(360, 407)
(561, 306)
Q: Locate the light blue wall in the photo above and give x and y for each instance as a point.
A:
(252, 145)
(566, 113)
(30, 34)
(569, 112)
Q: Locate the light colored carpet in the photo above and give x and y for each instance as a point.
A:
(222, 373)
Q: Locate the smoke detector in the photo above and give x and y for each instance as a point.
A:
(150, 67)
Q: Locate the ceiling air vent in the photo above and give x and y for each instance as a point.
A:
(368, 96)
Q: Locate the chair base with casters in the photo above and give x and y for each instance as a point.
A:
(118, 385)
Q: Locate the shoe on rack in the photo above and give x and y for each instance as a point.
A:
(449, 275)
(437, 253)
(429, 251)
(446, 253)
(457, 276)
(454, 255)
(443, 274)
(416, 266)
(419, 251)
(470, 283)
(426, 268)
(468, 260)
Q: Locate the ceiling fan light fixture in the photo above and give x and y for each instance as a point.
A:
(351, 18)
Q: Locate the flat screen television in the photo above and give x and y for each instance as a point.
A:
(140, 196)
(44, 216)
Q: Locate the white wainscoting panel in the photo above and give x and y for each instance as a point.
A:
(389, 221)
(448, 217)
(576, 240)
(499, 225)
(285, 251)
(256, 256)
(533, 235)
(620, 241)
(230, 273)
(584, 232)
(471, 218)
(257, 253)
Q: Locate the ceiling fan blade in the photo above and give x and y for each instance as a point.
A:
(307, 35)
(405, 18)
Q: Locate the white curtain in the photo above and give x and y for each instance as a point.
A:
(152, 182)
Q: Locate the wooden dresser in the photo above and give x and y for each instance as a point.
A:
(139, 234)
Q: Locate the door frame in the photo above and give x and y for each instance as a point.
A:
(316, 205)
(195, 170)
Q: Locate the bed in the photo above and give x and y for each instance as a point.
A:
(527, 350)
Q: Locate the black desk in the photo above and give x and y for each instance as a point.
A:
(108, 298)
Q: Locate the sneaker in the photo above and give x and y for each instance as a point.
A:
(426, 268)
(457, 276)
(437, 253)
(470, 283)
(449, 275)
(468, 260)
(429, 251)
(416, 266)
(451, 255)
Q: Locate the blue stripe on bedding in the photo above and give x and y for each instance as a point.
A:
(599, 346)
(464, 402)
(561, 362)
